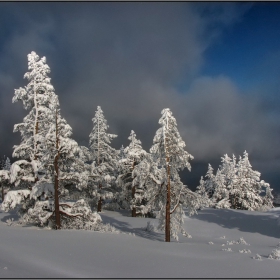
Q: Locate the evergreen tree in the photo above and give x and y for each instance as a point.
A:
(206, 188)
(37, 97)
(133, 154)
(104, 160)
(51, 158)
(168, 151)
(236, 185)
(65, 161)
(250, 187)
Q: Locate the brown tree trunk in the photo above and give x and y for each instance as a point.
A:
(133, 211)
(36, 132)
(167, 211)
(56, 181)
(99, 205)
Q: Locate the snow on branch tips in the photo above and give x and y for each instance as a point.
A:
(14, 198)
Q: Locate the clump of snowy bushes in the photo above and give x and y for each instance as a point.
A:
(235, 185)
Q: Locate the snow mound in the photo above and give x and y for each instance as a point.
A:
(257, 257)
(275, 254)
(245, 251)
(227, 249)
(239, 241)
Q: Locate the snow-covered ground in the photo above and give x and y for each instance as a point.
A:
(34, 252)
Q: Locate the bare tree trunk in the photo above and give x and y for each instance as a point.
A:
(167, 211)
(56, 180)
(36, 129)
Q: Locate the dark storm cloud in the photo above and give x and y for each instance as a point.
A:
(127, 57)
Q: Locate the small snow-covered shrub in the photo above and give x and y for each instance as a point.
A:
(245, 251)
(242, 241)
(186, 234)
(239, 241)
(275, 254)
(257, 257)
(10, 221)
(227, 249)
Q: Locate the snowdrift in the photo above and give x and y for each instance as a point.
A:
(225, 243)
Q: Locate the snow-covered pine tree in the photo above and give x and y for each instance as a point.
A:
(249, 187)
(149, 179)
(36, 97)
(104, 160)
(267, 199)
(52, 158)
(168, 151)
(206, 188)
(65, 161)
(236, 185)
(5, 175)
(133, 154)
(221, 195)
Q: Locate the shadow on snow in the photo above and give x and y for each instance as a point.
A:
(264, 223)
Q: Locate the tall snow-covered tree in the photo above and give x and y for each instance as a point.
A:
(36, 97)
(168, 151)
(51, 158)
(133, 154)
(104, 160)
(65, 160)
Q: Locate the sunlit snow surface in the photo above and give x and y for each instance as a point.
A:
(138, 253)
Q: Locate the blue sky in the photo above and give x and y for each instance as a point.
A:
(215, 65)
(246, 50)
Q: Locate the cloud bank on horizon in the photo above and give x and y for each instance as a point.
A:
(134, 59)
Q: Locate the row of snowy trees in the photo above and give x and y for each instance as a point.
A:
(235, 185)
(50, 162)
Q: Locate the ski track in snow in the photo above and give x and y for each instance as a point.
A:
(42, 253)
